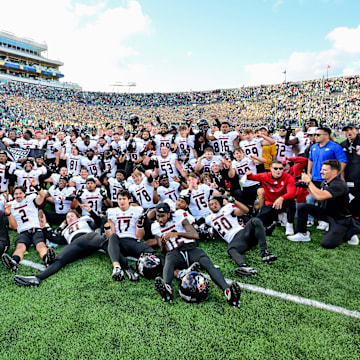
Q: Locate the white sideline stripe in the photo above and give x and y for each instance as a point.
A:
(258, 289)
(295, 298)
(301, 300)
(32, 264)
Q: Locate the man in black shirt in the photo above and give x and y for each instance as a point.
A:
(351, 147)
(334, 208)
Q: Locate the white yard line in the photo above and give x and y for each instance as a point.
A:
(261, 290)
(295, 298)
(301, 300)
(32, 264)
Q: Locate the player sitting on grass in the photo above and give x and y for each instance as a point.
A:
(78, 232)
(239, 238)
(24, 209)
(121, 230)
(178, 238)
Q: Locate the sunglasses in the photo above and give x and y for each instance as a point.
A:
(277, 168)
(319, 135)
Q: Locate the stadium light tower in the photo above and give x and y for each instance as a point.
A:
(119, 84)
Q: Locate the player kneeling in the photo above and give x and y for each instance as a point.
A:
(178, 239)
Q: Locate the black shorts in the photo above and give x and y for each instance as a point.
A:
(133, 247)
(30, 237)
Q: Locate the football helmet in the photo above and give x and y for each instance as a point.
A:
(194, 287)
(149, 265)
(203, 125)
(206, 232)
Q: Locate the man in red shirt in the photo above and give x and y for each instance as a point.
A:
(280, 191)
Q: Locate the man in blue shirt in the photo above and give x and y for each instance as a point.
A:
(324, 149)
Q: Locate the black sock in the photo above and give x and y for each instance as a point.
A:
(16, 258)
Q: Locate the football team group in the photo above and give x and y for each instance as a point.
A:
(155, 192)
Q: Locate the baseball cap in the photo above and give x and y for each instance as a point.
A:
(349, 126)
(163, 208)
(163, 176)
(186, 198)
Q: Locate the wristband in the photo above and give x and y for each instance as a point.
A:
(107, 227)
(7, 214)
(139, 227)
(37, 187)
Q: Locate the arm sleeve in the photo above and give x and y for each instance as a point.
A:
(291, 189)
(54, 236)
(97, 219)
(256, 177)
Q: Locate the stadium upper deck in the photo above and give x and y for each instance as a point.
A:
(22, 59)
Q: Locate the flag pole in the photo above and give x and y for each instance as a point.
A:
(275, 114)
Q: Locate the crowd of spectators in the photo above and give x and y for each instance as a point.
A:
(333, 101)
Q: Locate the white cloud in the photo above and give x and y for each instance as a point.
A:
(189, 53)
(91, 40)
(341, 56)
(345, 39)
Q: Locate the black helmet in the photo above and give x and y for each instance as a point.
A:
(149, 265)
(203, 124)
(194, 287)
(206, 232)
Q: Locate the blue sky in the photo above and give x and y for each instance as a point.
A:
(167, 45)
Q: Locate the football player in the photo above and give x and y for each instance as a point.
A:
(78, 232)
(25, 175)
(122, 236)
(169, 163)
(24, 209)
(239, 238)
(228, 140)
(178, 239)
(91, 195)
(61, 196)
(199, 197)
(114, 185)
(143, 189)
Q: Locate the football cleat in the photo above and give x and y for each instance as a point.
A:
(49, 257)
(132, 274)
(118, 274)
(245, 270)
(233, 294)
(9, 262)
(268, 258)
(163, 289)
(26, 280)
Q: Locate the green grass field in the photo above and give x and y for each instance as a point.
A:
(80, 313)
